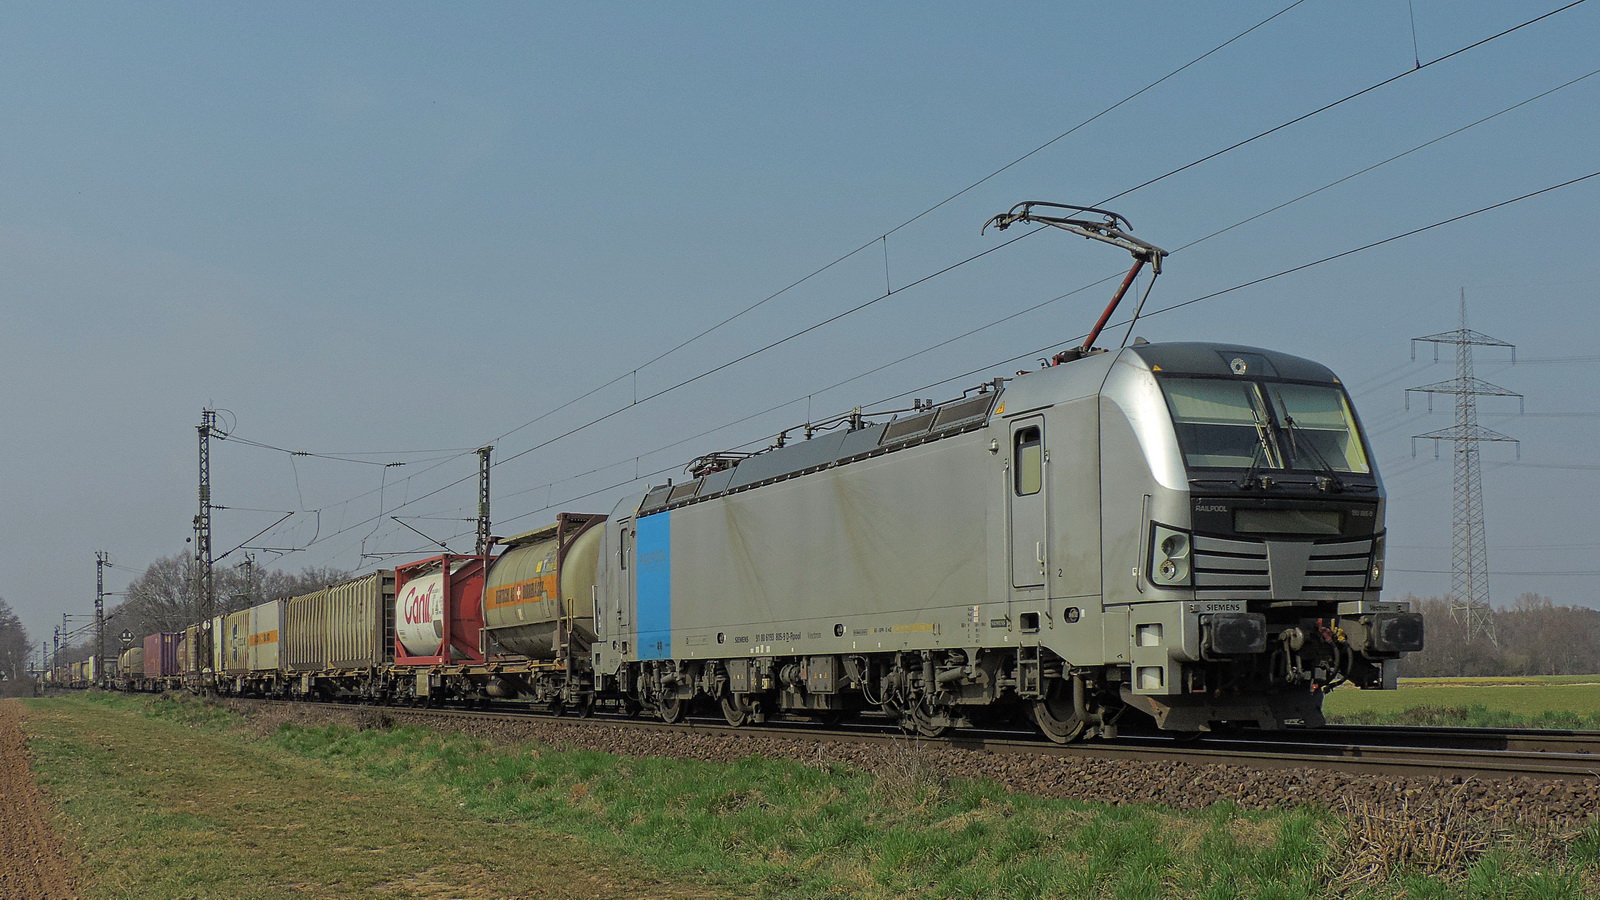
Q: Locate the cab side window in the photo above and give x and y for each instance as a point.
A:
(1028, 461)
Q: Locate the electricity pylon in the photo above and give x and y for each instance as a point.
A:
(1469, 548)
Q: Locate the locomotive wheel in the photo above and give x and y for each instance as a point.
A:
(1055, 716)
(921, 723)
(736, 711)
(671, 709)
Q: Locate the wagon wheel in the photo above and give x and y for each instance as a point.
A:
(738, 710)
(671, 709)
(1055, 716)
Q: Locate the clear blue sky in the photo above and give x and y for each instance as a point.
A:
(394, 227)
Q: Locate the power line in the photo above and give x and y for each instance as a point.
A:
(1345, 99)
(1497, 572)
(1386, 240)
(1193, 243)
(1507, 547)
(969, 259)
(1205, 297)
(634, 372)
(337, 458)
(836, 261)
(684, 383)
(1424, 145)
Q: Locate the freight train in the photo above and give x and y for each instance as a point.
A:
(1188, 532)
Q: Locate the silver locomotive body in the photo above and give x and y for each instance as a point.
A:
(1193, 531)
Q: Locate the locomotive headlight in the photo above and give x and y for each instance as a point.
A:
(1375, 573)
(1169, 556)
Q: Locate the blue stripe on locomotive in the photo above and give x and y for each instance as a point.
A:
(654, 586)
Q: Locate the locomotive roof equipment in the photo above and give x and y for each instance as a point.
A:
(1144, 253)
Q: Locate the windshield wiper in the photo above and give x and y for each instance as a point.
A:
(1248, 480)
(1329, 480)
(1262, 453)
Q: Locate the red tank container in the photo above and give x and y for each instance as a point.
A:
(161, 654)
(438, 611)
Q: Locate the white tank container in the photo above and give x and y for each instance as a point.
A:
(419, 615)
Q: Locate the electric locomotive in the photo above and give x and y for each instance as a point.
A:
(1193, 531)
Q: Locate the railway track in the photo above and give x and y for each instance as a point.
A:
(1366, 750)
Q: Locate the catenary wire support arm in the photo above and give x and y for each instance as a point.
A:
(428, 537)
(1112, 229)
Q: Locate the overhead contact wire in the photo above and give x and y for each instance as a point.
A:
(1322, 109)
(884, 237)
(864, 246)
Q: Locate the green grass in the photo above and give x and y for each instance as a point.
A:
(758, 827)
(168, 800)
(1565, 702)
(791, 830)
(1500, 679)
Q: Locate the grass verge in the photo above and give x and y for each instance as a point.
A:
(1487, 703)
(170, 801)
(758, 828)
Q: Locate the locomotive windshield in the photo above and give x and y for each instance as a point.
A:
(1240, 423)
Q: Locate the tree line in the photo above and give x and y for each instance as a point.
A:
(15, 646)
(1533, 636)
(166, 597)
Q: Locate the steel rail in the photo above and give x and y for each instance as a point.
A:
(1335, 749)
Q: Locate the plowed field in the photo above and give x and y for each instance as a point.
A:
(34, 864)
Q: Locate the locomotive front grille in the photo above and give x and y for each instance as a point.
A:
(1234, 569)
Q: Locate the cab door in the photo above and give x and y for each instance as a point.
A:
(625, 570)
(1026, 496)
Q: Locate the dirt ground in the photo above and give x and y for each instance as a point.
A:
(34, 862)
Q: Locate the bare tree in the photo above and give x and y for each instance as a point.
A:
(1536, 637)
(166, 597)
(14, 644)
